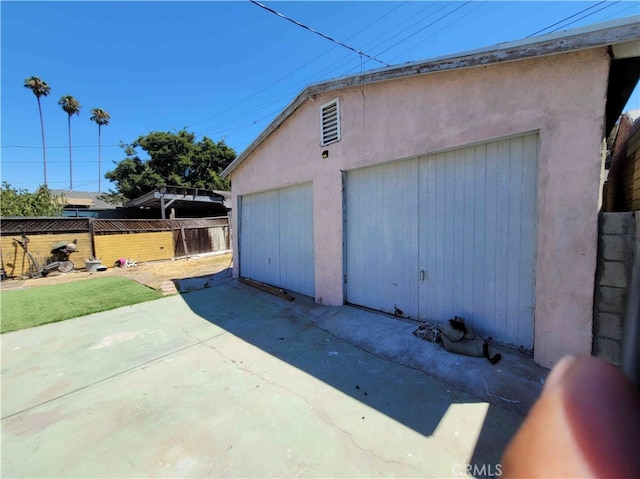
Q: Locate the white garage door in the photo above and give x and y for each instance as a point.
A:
(448, 234)
(276, 238)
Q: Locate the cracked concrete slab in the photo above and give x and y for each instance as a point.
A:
(227, 382)
(514, 383)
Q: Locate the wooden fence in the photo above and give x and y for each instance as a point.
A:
(111, 239)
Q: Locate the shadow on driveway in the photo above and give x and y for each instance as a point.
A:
(227, 381)
(302, 334)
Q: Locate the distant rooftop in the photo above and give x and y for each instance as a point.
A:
(633, 114)
(84, 199)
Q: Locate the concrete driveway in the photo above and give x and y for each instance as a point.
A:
(231, 382)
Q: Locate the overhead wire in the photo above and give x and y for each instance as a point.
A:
(51, 147)
(54, 161)
(381, 40)
(247, 125)
(380, 43)
(567, 18)
(610, 4)
(323, 73)
(427, 26)
(315, 77)
(60, 182)
(342, 65)
(634, 6)
(360, 64)
(433, 34)
(478, 6)
(333, 68)
(290, 74)
(359, 52)
(288, 93)
(384, 40)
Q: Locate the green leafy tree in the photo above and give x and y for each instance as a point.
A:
(20, 202)
(101, 118)
(40, 88)
(175, 159)
(72, 107)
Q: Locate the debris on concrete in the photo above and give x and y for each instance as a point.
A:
(428, 330)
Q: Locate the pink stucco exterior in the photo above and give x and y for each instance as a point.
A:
(561, 96)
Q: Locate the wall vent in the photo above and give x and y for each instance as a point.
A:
(330, 122)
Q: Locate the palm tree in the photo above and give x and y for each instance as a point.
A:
(101, 117)
(72, 106)
(40, 88)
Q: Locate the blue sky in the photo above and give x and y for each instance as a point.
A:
(220, 69)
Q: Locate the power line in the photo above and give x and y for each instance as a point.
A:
(51, 147)
(339, 67)
(567, 18)
(319, 77)
(318, 33)
(246, 125)
(585, 16)
(288, 75)
(381, 42)
(334, 68)
(427, 26)
(263, 106)
(65, 182)
(480, 5)
(415, 32)
(431, 14)
(289, 92)
(321, 74)
(634, 6)
(419, 21)
(63, 161)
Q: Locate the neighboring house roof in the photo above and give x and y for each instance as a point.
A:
(84, 199)
(620, 191)
(623, 35)
(228, 200)
(633, 114)
(180, 195)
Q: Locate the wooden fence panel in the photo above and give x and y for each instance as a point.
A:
(16, 263)
(139, 247)
(12, 226)
(201, 240)
(111, 239)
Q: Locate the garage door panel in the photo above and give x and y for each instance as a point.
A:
(263, 236)
(244, 218)
(430, 203)
(475, 217)
(528, 231)
(382, 238)
(469, 258)
(362, 224)
(297, 269)
(514, 239)
(497, 323)
(276, 238)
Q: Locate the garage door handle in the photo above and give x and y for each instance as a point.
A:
(422, 275)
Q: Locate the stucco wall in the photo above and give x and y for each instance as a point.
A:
(561, 96)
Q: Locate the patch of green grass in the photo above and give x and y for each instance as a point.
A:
(48, 304)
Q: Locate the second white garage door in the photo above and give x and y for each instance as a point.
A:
(448, 234)
(276, 238)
